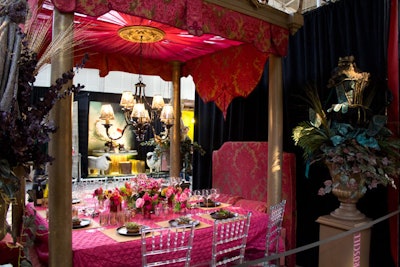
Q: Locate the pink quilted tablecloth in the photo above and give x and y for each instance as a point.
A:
(93, 247)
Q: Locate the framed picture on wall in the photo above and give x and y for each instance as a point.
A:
(97, 136)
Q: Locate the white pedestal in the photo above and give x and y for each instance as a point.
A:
(350, 251)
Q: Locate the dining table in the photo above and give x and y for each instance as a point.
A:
(96, 244)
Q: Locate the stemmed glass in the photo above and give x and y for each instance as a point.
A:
(192, 200)
(215, 192)
(206, 196)
(198, 196)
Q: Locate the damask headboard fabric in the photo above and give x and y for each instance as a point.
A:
(241, 169)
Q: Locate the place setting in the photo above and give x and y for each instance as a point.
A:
(222, 214)
(127, 232)
(82, 217)
(78, 223)
(219, 214)
(131, 229)
(183, 221)
(207, 199)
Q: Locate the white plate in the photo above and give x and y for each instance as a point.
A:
(210, 205)
(123, 231)
(84, 223)
(175, 223)
(215, 215)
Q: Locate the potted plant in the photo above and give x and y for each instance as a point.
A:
(161, 145)
(350, 139)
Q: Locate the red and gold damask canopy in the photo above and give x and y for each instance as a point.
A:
(224, 50)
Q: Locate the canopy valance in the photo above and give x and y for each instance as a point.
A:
(223, 49)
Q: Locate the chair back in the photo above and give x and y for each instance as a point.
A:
(274, 229)
(229, 240)
(167, 245)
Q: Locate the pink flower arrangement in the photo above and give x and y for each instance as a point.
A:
(181, 198)
(99, 193)
(113, 197)
(147, 202)
(142, 183)
(145, 193)
(176, 196)
(126, 191)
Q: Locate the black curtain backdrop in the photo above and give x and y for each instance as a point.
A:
(346, 27)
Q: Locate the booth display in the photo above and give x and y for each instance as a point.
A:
(236, 40)
(120, 163)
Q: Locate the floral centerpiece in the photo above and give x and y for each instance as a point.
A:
(353, 142)
(99, 193)
(112, 198)
(176, 196)
(127, 193)
(144, 193)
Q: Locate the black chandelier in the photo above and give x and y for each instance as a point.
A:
(135, 106)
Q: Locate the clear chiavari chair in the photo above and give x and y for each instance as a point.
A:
(230, 239)
(274, 230)
(167, 245)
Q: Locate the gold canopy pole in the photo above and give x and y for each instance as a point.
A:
(60, 147)
(275, 130)
(175, 155)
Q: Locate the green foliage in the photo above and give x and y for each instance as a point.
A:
(9, 183)
(187, 147)
(349, 148)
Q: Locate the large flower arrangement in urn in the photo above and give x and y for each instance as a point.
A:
(350, 138)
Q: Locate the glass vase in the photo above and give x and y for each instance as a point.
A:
(114, 207)
(146, 213)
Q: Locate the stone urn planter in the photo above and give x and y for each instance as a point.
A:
(348, 193)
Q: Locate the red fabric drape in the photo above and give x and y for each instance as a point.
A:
(393, 117)
(220, 75)
(196, 16)
(227, 74)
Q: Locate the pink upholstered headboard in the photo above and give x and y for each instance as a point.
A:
(241, 169)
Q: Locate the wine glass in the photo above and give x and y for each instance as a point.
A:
(206, 196)
(192, 200)
(215, 192)
(198, 196)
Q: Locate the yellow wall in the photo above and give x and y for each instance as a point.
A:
(188, 120)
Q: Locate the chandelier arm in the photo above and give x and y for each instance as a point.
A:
(127, 115)
(140, 130)
(107, 126)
